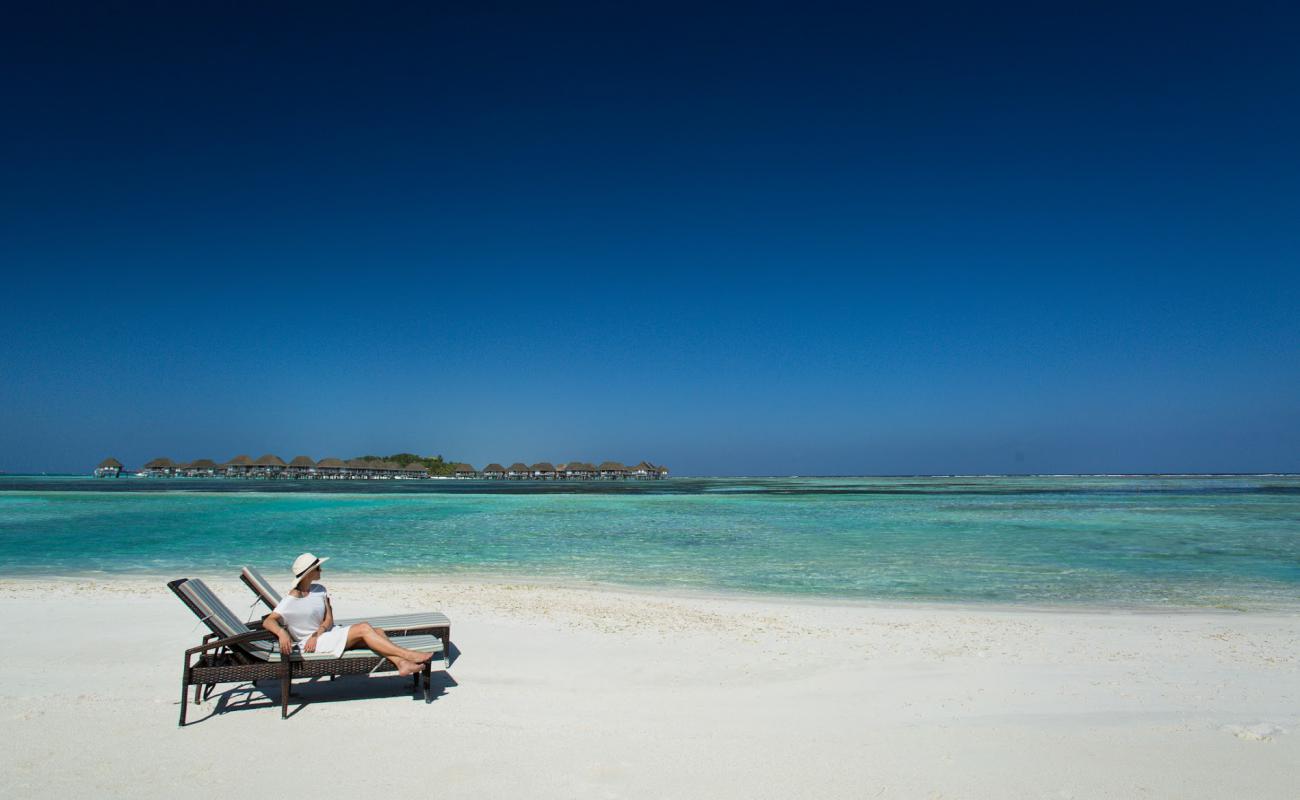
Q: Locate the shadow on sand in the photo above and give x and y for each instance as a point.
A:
(265, 696)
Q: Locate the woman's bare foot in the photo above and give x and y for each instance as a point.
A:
(405, 668)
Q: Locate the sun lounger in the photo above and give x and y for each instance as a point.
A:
(431, 622)
(235, 651)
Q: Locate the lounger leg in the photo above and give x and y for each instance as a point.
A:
(428, 678)
(284, 696)
(185, 689)
(198, 696)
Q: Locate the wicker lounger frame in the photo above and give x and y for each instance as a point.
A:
(443, 632)
(222, 659)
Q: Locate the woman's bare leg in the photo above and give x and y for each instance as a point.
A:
(406, 661)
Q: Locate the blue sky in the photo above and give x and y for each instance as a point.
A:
(769, 239)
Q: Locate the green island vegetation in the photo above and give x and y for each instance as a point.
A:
(435, 464)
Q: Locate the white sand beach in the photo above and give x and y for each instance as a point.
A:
(587, 692)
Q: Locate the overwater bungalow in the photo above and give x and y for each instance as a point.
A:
(465, 471)
(158, 468)
(576, 471)
(357, 468)
(612, 470)
(543, 471)
(330, 468)
(301, 467)
(109, 468)
(269, 466)
(415, 470)
(238, 467)
(201, 468)
(519, 471)
(494, 471)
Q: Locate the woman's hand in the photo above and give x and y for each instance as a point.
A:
(271, 622)
(310, 645)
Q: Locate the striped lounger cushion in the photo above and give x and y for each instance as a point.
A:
(219, 616)
(420, 644)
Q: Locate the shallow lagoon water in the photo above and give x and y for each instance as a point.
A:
(1185, 541)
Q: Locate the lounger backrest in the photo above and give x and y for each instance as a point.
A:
(217, 615)
(259, 584)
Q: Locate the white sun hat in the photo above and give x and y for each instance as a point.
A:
(305, 563)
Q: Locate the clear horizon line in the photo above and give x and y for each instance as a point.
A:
(869, 475)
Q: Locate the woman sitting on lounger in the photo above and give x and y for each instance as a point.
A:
(304, 617)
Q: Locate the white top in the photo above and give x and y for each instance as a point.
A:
(303, 615)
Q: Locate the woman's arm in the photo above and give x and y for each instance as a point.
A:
(271, 622)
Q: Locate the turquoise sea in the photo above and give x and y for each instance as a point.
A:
(1168, 541)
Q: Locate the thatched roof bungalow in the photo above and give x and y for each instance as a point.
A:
(415, 470)
(270, 466)
(201, 468)
(612, 469)
(494, 471)
(159, 467)
(330, 468)
(239, 465)
(389, 469)
(577, 470)
(464, 471)
(544, 470)
(109, 468)
(519, 470)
